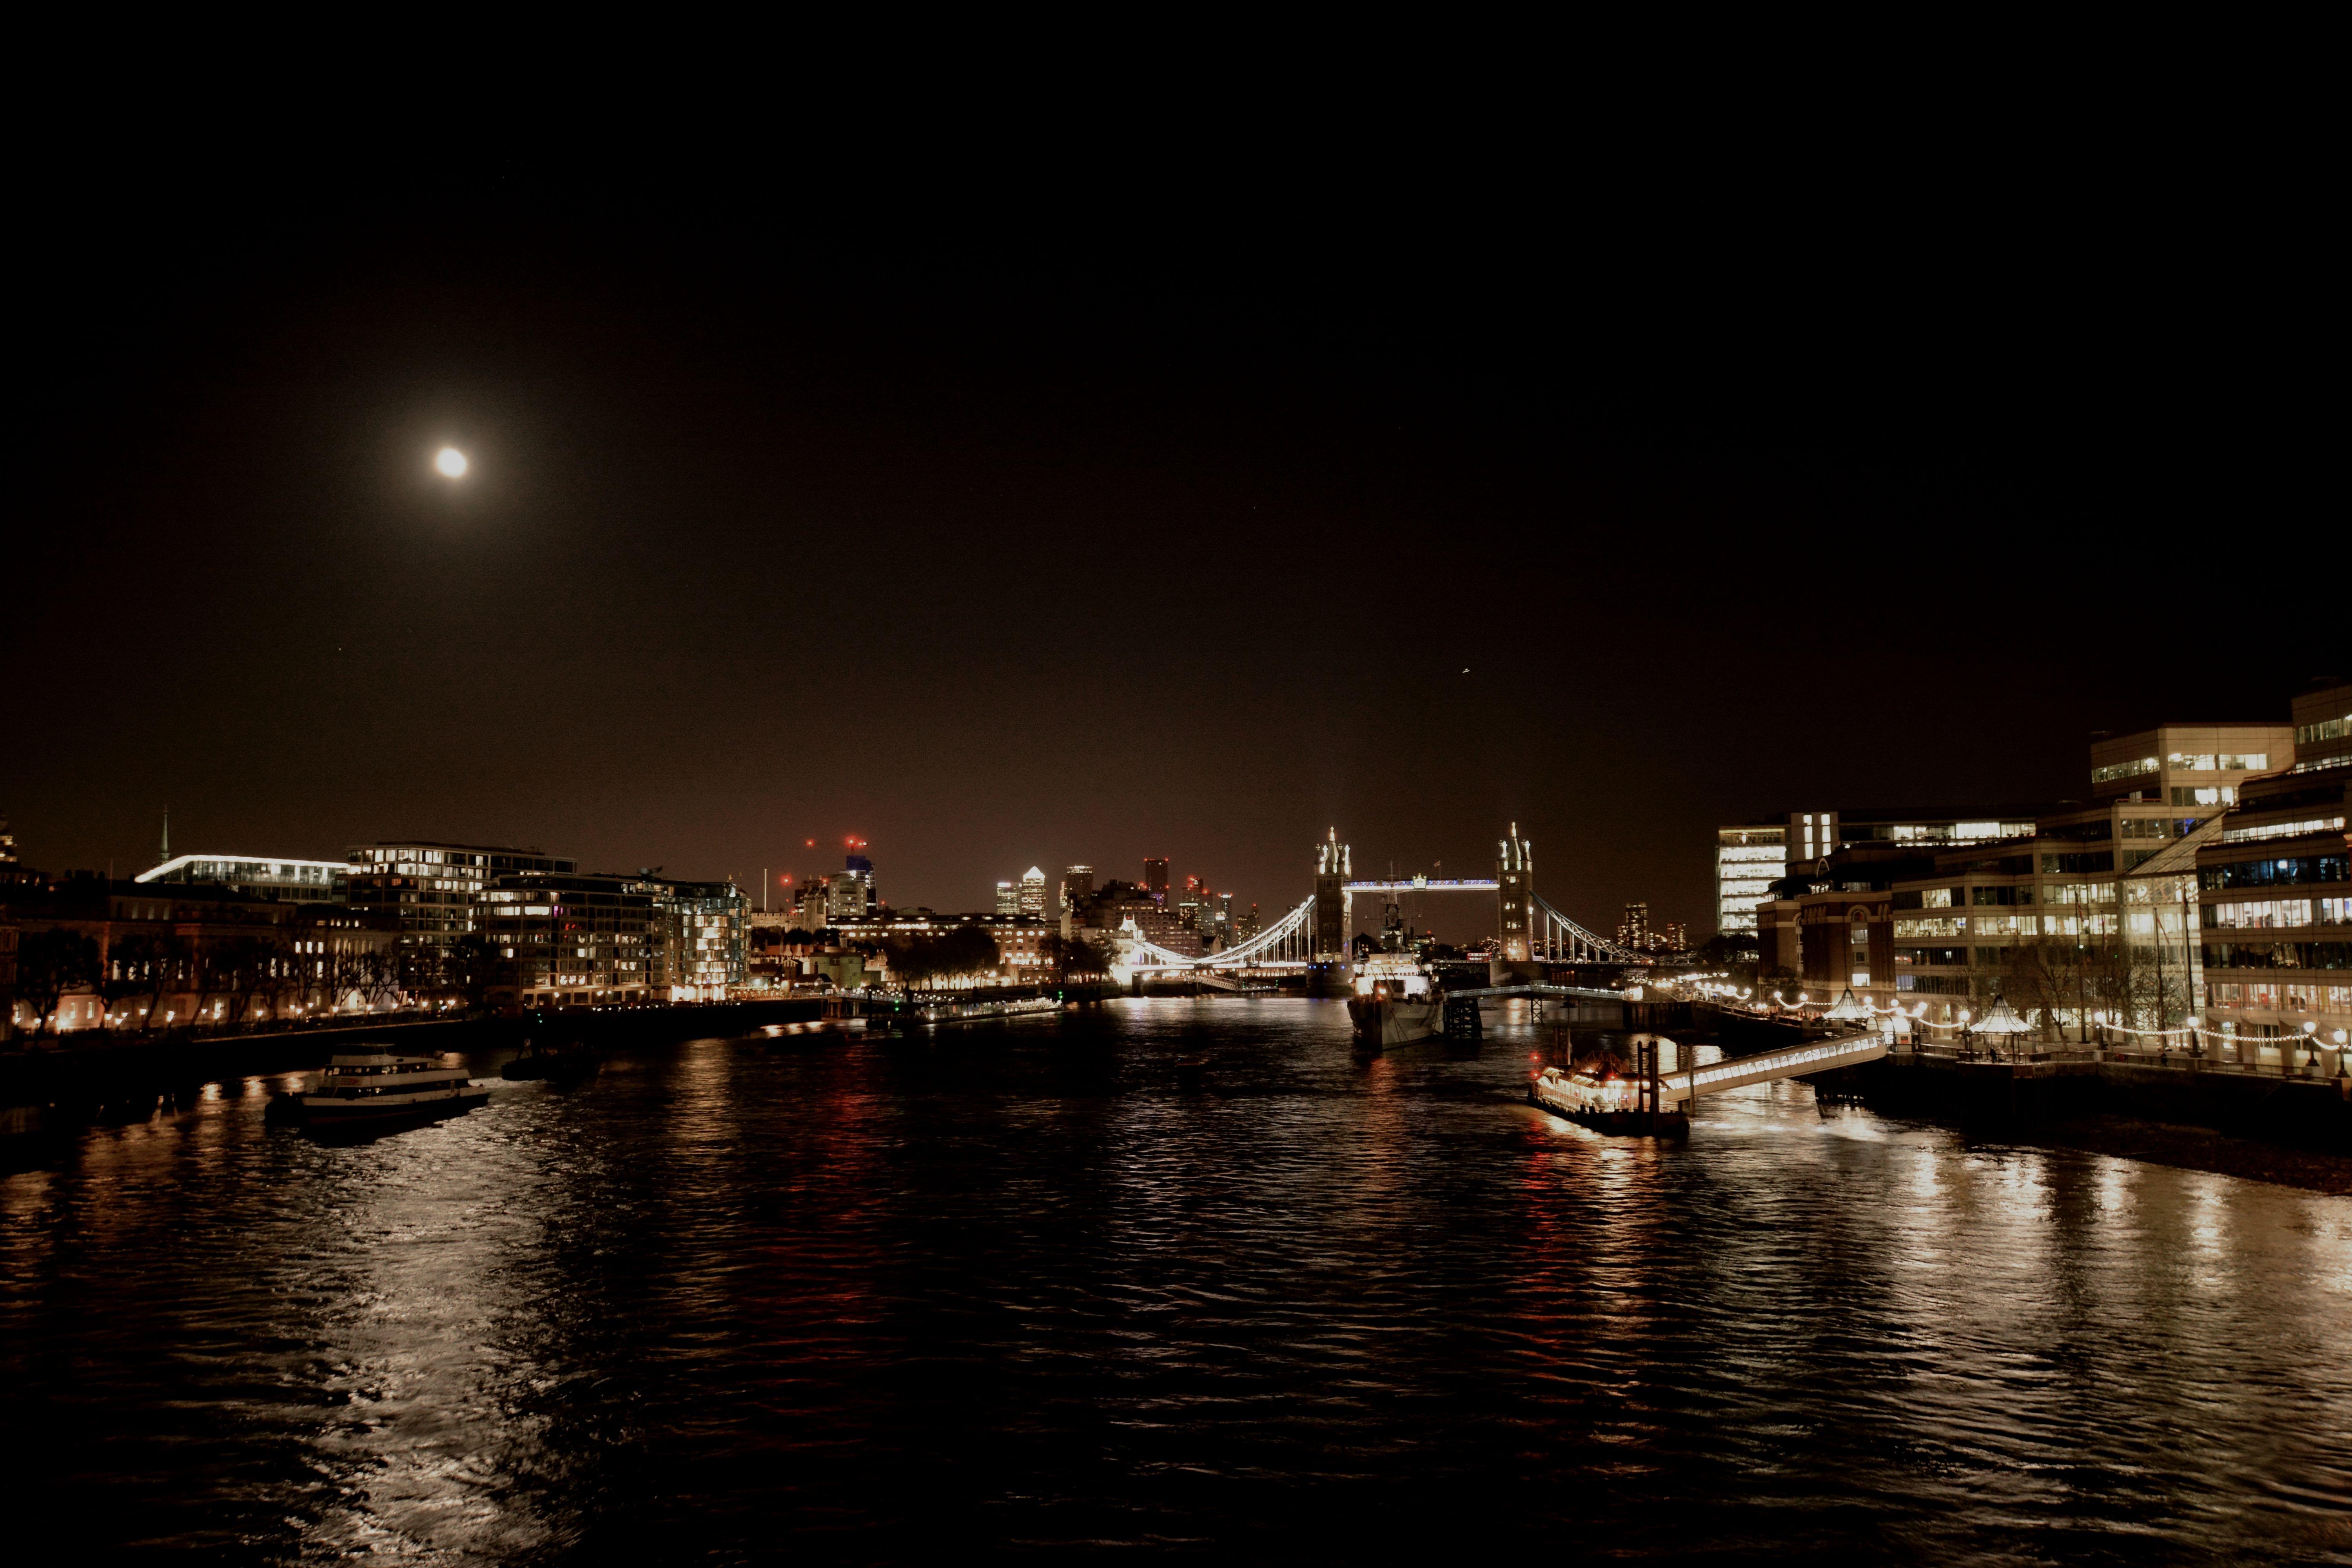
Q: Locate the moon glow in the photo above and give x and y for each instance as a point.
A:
(450, 461)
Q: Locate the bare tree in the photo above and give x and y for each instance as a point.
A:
(285, 979)
(50, 963)
(143, 965)
(380, 976)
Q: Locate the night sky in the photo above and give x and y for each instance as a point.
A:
(1038, 508)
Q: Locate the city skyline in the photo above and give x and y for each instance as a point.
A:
(746, 514)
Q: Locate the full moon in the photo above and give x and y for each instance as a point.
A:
(450, 461)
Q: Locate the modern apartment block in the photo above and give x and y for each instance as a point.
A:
(572, 940)
(704, 946)
(2191, 768)
(1751, 857)
(2275, 887)
(2209, 877)
(432, 889)
(1748, 861)
(2323, 731)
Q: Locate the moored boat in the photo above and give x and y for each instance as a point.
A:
(1605, 1101)
(383, 1087)
(1396, 1000)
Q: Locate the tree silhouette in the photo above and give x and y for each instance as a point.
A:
(50, 963)
(142, 964)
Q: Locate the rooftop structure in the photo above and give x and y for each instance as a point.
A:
(2189, 766)
(266, 877)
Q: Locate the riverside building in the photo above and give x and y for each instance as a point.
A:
(2274, 895)
(2195, 769)
(431, 889)
(1750, 857)
(704, 947)
(566, 940)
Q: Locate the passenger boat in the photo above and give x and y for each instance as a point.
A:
(1396, 1000)
(384, 1088)
(1601, 1099)
(938, 1013)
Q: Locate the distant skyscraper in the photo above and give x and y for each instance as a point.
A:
(851, 895)
(1633, 930)
(1008, 897)
(1033, 892)
(1078, 881)
(1155, 879)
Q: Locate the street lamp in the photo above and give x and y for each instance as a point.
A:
(2311, 1043)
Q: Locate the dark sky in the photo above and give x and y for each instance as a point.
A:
(1048, 504)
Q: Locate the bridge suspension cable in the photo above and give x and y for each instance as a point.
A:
(1284, 941)
(1559, 938)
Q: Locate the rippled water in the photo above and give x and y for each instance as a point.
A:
(1017, 1290)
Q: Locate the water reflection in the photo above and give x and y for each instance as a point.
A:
(734, 1295)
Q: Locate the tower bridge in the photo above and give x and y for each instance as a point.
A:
(1318, 931)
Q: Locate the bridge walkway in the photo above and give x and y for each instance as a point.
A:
(1788, 1061)
(1580, 993)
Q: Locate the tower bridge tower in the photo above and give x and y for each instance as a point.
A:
(1331, 872)
(1515, 876)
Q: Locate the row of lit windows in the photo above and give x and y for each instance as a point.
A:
(2279, 955)
(2284, 871)
(2269, 912)
(1960, 833)
(2075, 925)
(2325, 730)
(2280, 829)
(2290, 996)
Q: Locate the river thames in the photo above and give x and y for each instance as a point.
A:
(1015, 1290)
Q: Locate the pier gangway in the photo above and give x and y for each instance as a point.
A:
(1788, 1061)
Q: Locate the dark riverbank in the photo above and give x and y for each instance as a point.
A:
(97, 1076)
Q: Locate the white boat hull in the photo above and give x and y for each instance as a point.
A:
(335, 1110)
